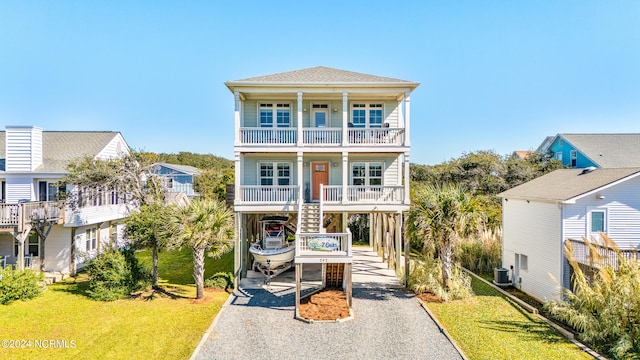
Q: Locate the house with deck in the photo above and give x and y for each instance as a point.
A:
(567, 205)
(39, 231)
(315, 146)
(178, 178)
(597, 150)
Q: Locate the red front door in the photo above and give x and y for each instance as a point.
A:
(319, 175)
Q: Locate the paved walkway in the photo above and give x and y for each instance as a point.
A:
(258, 323)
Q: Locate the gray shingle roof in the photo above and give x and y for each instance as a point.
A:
(59, 148)
(566, 184)
(320, 75)
(191, 170)
(608, 150)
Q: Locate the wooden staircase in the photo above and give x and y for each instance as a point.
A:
(310, 218)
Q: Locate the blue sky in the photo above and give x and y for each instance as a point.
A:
(495, 75)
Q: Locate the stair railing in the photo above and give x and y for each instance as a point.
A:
(299, 222)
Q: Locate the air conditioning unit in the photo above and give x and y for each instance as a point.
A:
(501, 277)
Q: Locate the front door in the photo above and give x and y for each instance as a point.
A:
(319, 175)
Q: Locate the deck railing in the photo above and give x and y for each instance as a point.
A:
(376, 194)
(609, 256)
(321, 136)
(283, 136)
(38, 211)
(376, 136)
(268, 194)
(325, 136)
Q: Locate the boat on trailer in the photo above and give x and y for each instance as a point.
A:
(273, 254)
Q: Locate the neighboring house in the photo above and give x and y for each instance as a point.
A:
(179, 178)
(540, 215)
(321, 141)
(597, 150)
(522, 154)
(37, 230)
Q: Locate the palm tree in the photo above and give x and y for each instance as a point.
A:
(204, 225)
(440, 216)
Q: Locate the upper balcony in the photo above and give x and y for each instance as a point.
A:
(324, 137)
(17, 216)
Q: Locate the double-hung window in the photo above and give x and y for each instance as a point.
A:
(597, 222)
(574, 158)
(366, 115)
(275, 173)
(281, 112)
(91, 239)
(366, 173)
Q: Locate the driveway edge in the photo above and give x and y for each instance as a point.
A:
(206, 334)
(441, 328)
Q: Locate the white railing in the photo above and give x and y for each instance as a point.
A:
(285, 136)
(332, 194)
(376, 194)
(19, 214)
(326, 136)
(299, 223)
(268, 194)
(323, 245)
(376, 136)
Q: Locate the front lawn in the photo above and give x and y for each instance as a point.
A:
(489, 326)
(166, 325)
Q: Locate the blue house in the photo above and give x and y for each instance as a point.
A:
(179, 178)
(597, 150)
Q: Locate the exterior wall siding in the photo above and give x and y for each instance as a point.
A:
(559, 145)
(95, 214)
(18, 189)
(116, 148)
(23, 148)
(57, 249)
(533, 229)
(622, 205)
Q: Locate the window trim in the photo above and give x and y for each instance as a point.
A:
(367, 176)
(275, 176)
(275, 107)
(91, 239)
(368, 107)
(573, 157)
(605, 220)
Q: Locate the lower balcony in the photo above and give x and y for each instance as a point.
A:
(17, 215)
(331, 195)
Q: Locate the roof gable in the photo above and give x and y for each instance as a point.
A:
(606, 150)
(185, 169)
(59, 148)
(566, 185)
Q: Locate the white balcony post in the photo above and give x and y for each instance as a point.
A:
(236, 98)
(300, 167)
(345, 118)
(345, 177)
(407, 117)
(406, 179)
(237, 174)
(299, 120)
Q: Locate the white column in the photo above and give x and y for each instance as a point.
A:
(299, 122)
(407, 117)
(300, 167)
(236, 98)
(406, 178)
(345, 118)
(237, 175)
(345, 177)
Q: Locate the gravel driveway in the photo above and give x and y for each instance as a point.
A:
(258, 323)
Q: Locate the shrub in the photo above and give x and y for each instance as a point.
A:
(426, 277)
(483, 253)
(114, 274)
(605, 309)
(220, 280)
(19, 285)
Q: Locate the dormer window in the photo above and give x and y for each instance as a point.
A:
(281, 112)
(366, 115)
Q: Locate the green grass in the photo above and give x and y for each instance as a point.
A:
(165, 325)
(177, 266)
(489, 326)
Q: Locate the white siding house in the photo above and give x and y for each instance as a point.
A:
(327, 141)
(32, 161)
(540, 215)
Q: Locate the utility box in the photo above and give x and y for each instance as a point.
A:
(501, 276)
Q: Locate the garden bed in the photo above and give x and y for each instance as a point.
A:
(325, 305)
